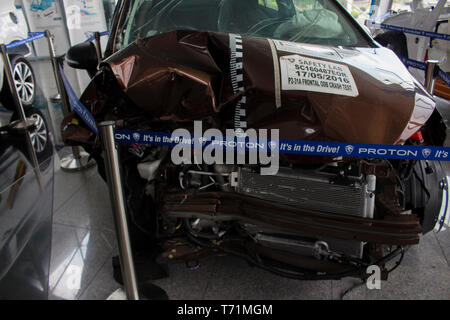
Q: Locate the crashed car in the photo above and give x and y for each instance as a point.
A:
(232, 64)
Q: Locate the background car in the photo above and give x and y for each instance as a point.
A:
(429, 18)
(13, 27)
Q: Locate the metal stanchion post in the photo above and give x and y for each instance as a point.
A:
(78, 160)
(112, 166)
(24, 125)
(431, 74)
(98, 46)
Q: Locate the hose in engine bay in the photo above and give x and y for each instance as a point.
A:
(301, 275)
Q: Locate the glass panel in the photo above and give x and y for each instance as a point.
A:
(310, 21)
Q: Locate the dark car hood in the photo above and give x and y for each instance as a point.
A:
(369, 96)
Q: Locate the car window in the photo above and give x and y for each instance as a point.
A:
(309, 21)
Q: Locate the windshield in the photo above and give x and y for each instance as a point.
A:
(308, 21)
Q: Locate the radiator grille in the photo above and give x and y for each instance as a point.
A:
(303, 190)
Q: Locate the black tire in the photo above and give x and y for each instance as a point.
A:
(26, 85)
(424, 193)
(394, 40)
(40, 137)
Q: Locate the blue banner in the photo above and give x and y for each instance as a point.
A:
(32, 36)
(413, 63)
(444, 76)
(313, 148)
(92, 37)
(423, 66)
(77, 106)
(417, 32)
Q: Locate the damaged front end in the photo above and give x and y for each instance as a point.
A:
(317, 217)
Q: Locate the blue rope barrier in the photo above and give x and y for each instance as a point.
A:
(417, 32)
(413, 63)
(444, 76)
(32, 36)
(423, 66)
(300, 147)
(76, 104)
(92, 37)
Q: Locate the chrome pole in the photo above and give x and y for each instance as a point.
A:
(78, 160)
(112, 165)
(431, 74)
(98, 46)
(23, 125)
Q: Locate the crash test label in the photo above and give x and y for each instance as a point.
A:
(303, 73)
(223, 310)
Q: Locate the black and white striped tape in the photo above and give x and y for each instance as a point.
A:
(237, 79)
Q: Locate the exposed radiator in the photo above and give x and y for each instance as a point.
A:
(310, 190)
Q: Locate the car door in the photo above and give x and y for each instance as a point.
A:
(26, 206)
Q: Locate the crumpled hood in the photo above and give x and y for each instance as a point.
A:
(307, 91)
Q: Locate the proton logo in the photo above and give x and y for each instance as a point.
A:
(272, 145)
(426, 153)
(349, 149)
(136, 136)
(291, 60)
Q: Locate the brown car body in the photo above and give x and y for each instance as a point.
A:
(169, 80)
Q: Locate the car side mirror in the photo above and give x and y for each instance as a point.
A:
(83, 56)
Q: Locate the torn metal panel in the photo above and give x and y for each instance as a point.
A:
(402, 230)
(194, 75)
(186, 75)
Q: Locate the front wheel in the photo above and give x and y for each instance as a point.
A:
(24, 82)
